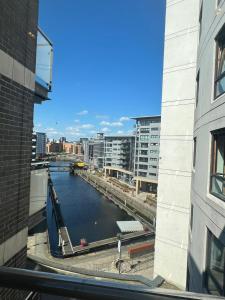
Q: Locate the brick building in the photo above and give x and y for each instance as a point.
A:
(18, 92)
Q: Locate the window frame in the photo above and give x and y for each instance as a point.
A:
(213, 158)
(222, 75)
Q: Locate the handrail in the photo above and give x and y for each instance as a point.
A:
(85, 288)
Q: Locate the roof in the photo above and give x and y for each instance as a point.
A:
(118, 169)
(146, 117)
(130, 226)
(145, 179)
(119, 136)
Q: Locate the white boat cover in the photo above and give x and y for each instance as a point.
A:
(130, 226)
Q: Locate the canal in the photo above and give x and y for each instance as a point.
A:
(86, 212)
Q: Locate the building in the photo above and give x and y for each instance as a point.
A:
(85, 146)
(54, 147)
(96, 151)
(206, 255)
(176, 141)
(34, 146)
(146, 153)
(68, 147)
(40, 144)
(119, 151)
(21, 87)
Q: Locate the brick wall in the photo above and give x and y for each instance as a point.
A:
(17, 19)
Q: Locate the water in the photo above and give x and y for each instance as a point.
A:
(86, 212)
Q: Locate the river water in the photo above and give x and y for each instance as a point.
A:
(86, 212)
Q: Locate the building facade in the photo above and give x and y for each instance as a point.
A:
(40, 144)
(96, 151)
(19, 91)
(146, 152)
(176, 140)
(206, 259)
(118, 152)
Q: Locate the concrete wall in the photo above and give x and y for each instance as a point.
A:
(176, 140)
(38, 190)
(208, 211)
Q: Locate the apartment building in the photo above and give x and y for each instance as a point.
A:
(191, 195)
(20, 89)
(206, 257)
(96, 151)
(146, 152)
(40, 144)
(176, 140)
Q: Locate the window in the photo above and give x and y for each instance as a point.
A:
(143, 152)
(215, 268)
(154, 128)
(154, 136)
(153, 159)
(145, 123)
(217, 187)
(143, 167)
(197, 88)
(153, 151)
(144, 137)
(144, 130)
(144, 145)
(154, 144)
(143, 159)
(143, 174)
(194, 153)
(153, 167)
(218, 2)
(152, 174)
(220, 64)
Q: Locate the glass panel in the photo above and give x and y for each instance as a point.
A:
(220, 86)
(44, 61)
(218, 186)
(215, 272)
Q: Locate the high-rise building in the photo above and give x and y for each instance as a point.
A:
(146, 152)
(22, 84)
(96, 151)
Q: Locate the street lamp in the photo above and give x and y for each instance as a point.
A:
(119, 236)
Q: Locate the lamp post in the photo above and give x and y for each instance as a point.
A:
(119, 236)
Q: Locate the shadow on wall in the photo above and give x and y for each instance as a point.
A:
(212, 279)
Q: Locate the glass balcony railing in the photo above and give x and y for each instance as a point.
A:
(74, 287)
(218, 185)
(44, 58)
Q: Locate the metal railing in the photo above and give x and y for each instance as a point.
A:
(85, 288)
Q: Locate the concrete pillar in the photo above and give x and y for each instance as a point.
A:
(137, 187)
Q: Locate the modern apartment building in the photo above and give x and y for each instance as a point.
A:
(146, 152)
(206, 259)
(176, 140)
(40, 144)
(96, 151)
(118, 152)
(20, 88)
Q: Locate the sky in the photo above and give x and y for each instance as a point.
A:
(107, 67)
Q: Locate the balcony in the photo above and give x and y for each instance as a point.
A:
(44, 58)
(75, 287)
(218, 185)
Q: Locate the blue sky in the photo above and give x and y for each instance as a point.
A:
(108, 57)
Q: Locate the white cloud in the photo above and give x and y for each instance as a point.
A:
(82, 113)
(77, 121)
(112, 124)
(87, 126)
(105, 129)
(120, 132)
(122, 119)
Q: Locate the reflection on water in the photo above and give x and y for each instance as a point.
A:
(87, 214)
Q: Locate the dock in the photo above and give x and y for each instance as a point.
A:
(111, 242)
